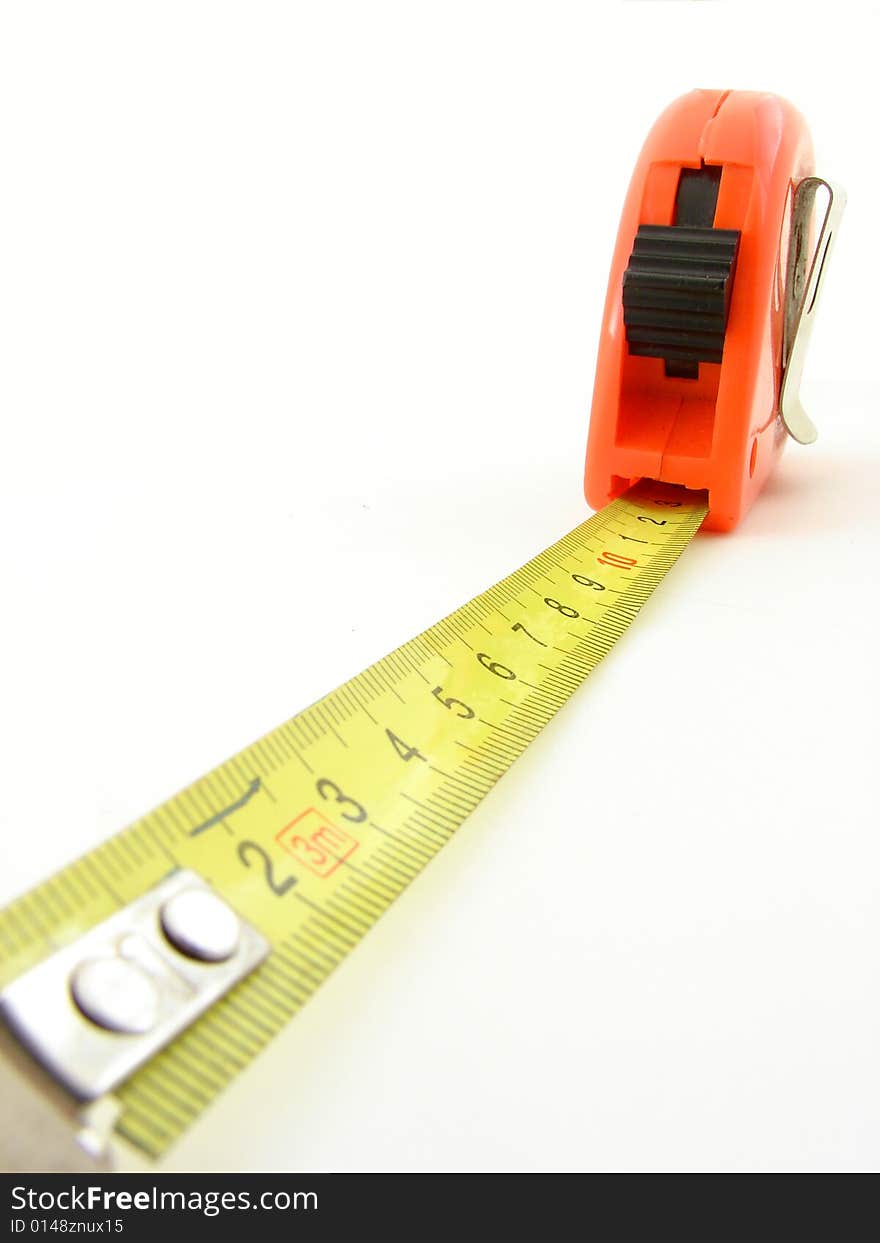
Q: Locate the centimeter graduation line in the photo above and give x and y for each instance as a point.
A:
(314, 830)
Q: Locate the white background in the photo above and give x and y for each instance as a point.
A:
(300, 305)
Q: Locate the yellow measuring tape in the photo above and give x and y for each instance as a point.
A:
(312, 832)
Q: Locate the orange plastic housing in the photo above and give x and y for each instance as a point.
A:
(720, 431)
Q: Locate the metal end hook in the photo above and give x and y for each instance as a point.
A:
(804, 277)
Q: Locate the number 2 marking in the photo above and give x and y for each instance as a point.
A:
(278, 887)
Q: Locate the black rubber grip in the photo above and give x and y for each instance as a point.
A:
(676, 294)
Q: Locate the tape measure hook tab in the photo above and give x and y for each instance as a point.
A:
(805, 276)
(97, 1009)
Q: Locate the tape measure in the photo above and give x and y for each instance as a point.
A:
(271, 868)
(312, 832)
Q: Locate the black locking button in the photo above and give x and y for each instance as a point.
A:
(677, 285)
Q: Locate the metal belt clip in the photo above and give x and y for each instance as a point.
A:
(804, 278)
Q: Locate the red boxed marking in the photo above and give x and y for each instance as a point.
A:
(316, 843)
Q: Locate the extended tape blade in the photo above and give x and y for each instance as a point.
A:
(312, 832)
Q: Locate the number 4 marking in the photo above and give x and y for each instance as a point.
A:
(403, 749)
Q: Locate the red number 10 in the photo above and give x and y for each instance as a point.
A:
(615, 558)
